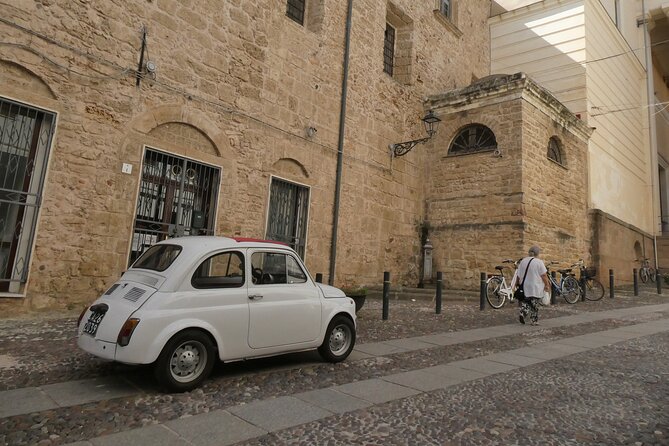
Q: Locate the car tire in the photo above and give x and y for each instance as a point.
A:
(186, 361)
(339, 340)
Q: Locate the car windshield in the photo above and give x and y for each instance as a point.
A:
(158, 257)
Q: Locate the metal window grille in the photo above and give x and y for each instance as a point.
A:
(445, 7)
(554, 151)
(389, 49)
(295, 10)
(288, 212)
(473, 138)
(25, 140)
(177, 197)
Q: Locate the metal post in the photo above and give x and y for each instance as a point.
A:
(583, 288)
(611, 284)
(484, 278)
(658, 281)
(319, 277)
(386, 293)
(553, 300)
(636, 282)
(439, 281)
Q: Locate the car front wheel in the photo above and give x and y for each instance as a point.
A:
(186, 360)
(339, 340)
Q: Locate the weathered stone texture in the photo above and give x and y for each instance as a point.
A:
(236, 85)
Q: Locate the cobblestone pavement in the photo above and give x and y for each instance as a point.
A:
(27, 360)
(614, 395)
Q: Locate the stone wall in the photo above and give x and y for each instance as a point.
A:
(236, 85)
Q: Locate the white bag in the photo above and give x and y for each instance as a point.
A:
(546, 299)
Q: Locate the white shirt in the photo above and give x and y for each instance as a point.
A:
(534, 284)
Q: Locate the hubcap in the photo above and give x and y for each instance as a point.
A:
(188, 361)
(340, 339)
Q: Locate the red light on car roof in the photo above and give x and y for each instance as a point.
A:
(257, 240)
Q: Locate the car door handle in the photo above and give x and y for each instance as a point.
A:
(255, 296)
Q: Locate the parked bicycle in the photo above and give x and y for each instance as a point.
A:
(646, 271)
(497, 290)
(594, 290)
(568, 286)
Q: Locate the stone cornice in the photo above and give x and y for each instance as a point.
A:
(501, 88)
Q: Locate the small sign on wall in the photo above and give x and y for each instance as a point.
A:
(127, 168)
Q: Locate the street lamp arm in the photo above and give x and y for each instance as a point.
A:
(402, 148)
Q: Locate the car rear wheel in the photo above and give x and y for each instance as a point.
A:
(339, 340)
(185, 361)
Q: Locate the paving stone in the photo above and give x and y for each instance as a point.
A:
(580, 341)
(454, 373)
(146, 436)
(80, 443)
(376, 391)
(564, 348)
(419, 380)
(71, 393)
(27, 400)
(379, 349)
(409, 344)
(482, 365)
(537, 352)
(278, 413)
(511, 359)
(439, 339)
(218, 428)
(332, 400)
(357, 355)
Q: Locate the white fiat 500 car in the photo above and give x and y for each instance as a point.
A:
(188, 300)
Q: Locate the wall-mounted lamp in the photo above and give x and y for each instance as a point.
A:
(311, 131)
(431, 122)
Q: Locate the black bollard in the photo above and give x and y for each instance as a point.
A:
(611, 284)
(439, 281)
(583, 288)
(636, 282)
(553, 299)
(386, 294)
(484, 279)
(319, 277)
(658, 281)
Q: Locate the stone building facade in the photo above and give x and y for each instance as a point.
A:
(231, 89)
(495, 201)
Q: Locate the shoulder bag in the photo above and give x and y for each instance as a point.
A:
(520, 292)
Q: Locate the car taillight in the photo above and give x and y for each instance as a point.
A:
(81, 316)
(126, 331)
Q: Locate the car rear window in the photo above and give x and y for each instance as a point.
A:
(158, 257)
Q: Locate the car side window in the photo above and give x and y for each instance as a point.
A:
(268, 268)
(294, 271)
(223, 270)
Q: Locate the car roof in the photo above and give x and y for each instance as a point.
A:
(215, 242)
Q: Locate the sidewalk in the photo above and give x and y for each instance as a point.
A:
(243, 422)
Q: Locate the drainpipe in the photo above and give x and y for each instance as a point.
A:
(340, 145)
(651, 122)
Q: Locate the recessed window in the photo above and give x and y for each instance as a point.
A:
(389, 49)
(555, 151)
(295, 10)
(224, 270)
(445, 8)
(473, 138)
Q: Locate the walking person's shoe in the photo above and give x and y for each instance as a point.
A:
(521, 318)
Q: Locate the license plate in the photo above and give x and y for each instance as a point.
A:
(91, 326)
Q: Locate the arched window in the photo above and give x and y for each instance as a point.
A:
(473, 138)
(555, 151)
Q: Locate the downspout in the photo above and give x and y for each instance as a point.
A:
(340, 145)
(651, 123)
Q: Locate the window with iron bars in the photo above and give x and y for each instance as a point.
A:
(295, 10)
(389, 49)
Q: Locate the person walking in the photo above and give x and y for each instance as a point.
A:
(531, 276)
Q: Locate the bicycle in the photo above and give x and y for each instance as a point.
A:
(646, 271)
(497, 290)
(594, 290)
(568, 287)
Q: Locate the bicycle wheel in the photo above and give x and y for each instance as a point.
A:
(643, 274)
(492, 292)
(571, 290)
(652, 274)
(595, 289)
